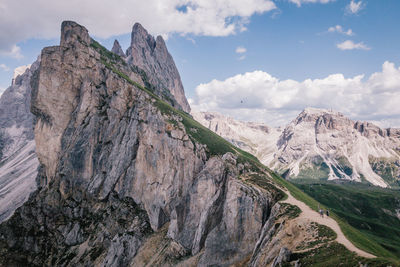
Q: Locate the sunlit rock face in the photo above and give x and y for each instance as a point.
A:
(117, 164)
(318, 144)
(18, 161)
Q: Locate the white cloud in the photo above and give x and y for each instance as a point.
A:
(2, 90)
(258, 96)
(4, 67)
(339, 29)
(350, 45)
(105, 18)
(354, 7)
(300, 2)
(12, 51)
(240, 50)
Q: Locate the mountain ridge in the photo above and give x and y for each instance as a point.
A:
(319, 142)
(127, 177)
(117, 163)
(18, 162)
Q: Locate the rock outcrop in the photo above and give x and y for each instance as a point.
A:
(318, 144)
(152, 56)
(255, 138)
(18, 161)
(118, 163)
(116, 49)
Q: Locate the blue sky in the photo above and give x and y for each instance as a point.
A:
(283, 41)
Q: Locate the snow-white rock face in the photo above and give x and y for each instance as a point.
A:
(18, 161)
(256, 138)
(318, 144)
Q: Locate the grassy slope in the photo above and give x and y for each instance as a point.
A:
(218, 146)
(362, 207)
(358, 238)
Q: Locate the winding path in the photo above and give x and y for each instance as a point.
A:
(308, 213)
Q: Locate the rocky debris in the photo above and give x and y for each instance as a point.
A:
(116, 49)
(111, 172)
(18, 162)
(152, 56)
(318, 144)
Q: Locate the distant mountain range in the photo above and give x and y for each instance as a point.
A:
(318, 144)
(101, 165)
(18, 160)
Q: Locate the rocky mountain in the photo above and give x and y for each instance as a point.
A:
(117, 49)
(127, 179)
(18, 161)
(255, 138)
(318, 144)
(152, 56)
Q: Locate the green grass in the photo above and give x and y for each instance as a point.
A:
(105, 53)
(335, 254)
(388, 169)
(263, 182)
(316, 169)
(216, 145)
(358, 238)
(289, 210)
(366, 208)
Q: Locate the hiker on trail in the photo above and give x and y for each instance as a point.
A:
(327, 213)
(321, 212)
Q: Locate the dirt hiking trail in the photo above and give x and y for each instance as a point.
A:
(308, 213)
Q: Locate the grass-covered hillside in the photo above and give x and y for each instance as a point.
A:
(216, 145)
(372, 210)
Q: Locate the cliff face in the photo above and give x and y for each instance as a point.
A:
(153, 57)
(255, 138)
(326, 144)
(117, 163)
(318, 144)
(18, 162)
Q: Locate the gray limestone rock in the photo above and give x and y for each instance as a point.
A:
(153, 57)
(18, 162)
(72, 32)
(116, 49)
(116, 165)
(284, 256)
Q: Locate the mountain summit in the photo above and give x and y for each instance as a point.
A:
(153, 57)
(116, 49)
(119, 165)
(126, 178)
(319, 144)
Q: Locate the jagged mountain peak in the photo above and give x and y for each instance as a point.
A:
(319, 144)
(310, 114)
(19, 71)
(152, 56)
(117, 163)
(320, 111)
(72, 32)
(116, 49)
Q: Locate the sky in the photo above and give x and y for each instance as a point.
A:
(254, 60)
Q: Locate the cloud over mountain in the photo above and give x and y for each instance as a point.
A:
(259, 96)
(208, 17)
